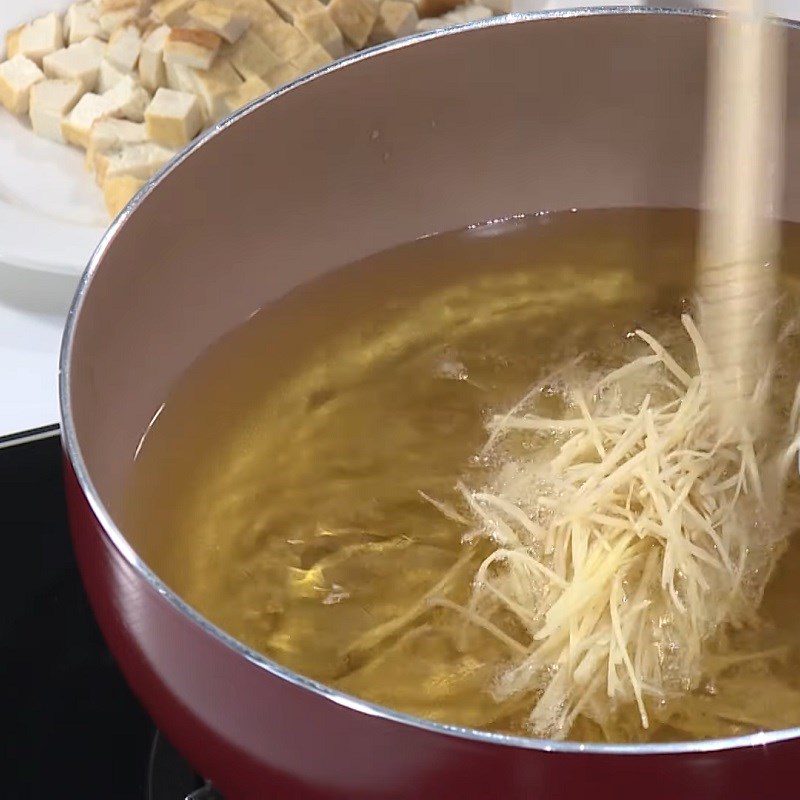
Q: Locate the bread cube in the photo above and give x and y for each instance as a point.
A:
(180, 78)
(124, 47)
(467, 13)
(171, 12)
(395, 19)
(112, 134)
(430, 24)
(290, 10)
(117, 191)
(151, 58)
(355, 19)
(12, 41)
(77, 62)
(50, 102)
(41, 37)
(93, 46)
(137, 160)
(109, 76)
(173, 118)
(284, 40)
(112, 21)
(318, 26)
(313, 57)
(247, 91)
(252, 57)
(75, 127)
(259, 12)
(81, 22)
(17, 76)
(128, 99)
(228, 23)
(193, 48)
(213, 86)
(283, 74)
(435, 8)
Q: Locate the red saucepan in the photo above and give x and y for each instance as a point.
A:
(578, 109)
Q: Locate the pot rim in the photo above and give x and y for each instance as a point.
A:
(125, 549)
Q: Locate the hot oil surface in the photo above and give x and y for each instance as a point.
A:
(279, 490)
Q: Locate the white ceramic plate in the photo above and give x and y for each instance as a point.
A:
(51, 213)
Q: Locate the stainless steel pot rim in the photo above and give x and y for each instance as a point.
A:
(121, 544)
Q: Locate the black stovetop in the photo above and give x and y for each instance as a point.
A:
(72, 728)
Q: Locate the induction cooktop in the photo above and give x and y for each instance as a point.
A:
(72, 728)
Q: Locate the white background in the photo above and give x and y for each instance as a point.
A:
(33, 305)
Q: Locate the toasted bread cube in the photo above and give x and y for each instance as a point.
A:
(17, 76)
(470, 13)
(180, 78)
(41, 37)
(137, 160)
(395, 19)
(114, 161)
(451, 18)
(318, 26)
(128, 99)
(110, 75)
(282, 75)
(313, 57)
(192, 48)
(249, 90)
(117, 191)
(173, 118)
(213, 86)
(252, 57)
(93, 46)
(171, 12)
(112, 21)
(75, 127)
(355, 19)
(50, 102)
(112, 134)
(76, 62)
(151, 58)
(284, 40)
(475, 12)
(124, 47)
(435, 8)
(12, 41)
(228, 23)
(81, 22)
(290, 10)
(257, 11)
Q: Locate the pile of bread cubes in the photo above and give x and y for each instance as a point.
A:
(133, 81)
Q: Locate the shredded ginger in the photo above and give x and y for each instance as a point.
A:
(625, 534)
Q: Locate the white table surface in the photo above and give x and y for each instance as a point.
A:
(33, 305)
(32, 311)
